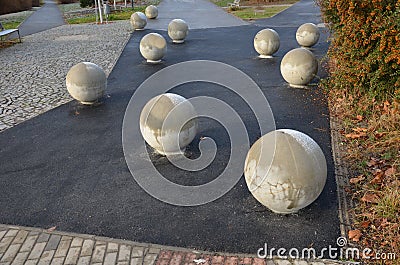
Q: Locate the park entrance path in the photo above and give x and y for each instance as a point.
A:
(199, 14)
(47, 17)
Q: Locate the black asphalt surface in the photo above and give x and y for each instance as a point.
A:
(66, 167)
(47, 17)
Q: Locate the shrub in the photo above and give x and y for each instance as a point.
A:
(85, 3)
(365, 48)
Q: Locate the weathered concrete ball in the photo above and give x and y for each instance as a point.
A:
(138, 21)
(285, 170)
(307, 35)
(151, 12)
(178, 29)
(298, 67)
(153, 47)
(266, 43)
(86, 82)
(167, 124)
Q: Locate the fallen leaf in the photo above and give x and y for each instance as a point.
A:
(379, 135)
(384, 222)
(359, 117)
(370, 198)
(372, 162)
(365, 224)
(51, 229)
(390, 171)
(355, 135)
(359, 129)
(378, 177)
(355, 235)
(357, 179)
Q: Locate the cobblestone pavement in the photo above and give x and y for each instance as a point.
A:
(22, 245)
(33, 72)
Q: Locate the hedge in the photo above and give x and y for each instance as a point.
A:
(365, 50)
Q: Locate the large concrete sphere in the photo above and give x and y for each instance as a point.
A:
(178, 29)
(86, 82)
(172, 135)
(286, 177)
(138, 21)
(151, 12)
(153, 47)
(307, 35)
(298, 67)
(266, 43)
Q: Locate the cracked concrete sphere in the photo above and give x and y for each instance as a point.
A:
(86, 82)
(288, 176)
(153, 47)
(151, 12)
(138, 21)
(168, 123)
(178, 29)
(298, 67)
(266, 43)
(307, 35)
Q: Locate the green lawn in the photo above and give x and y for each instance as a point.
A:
(14, 21)
(119, 15)
(256, 13)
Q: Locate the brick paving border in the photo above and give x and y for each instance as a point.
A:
(26, 245)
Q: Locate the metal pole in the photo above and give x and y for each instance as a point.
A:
(132, 4)
(126, 4)
(100, 13)
(95, 10)
(115, 6)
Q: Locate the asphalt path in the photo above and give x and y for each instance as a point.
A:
(66, 167)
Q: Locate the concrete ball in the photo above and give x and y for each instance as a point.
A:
(298, 67)
(285, 170)
(178, 29)
(138, 21)
(266, 43)
(86, 82)
(153, 47)
(167, 124)
(151, 12)
(307, 35)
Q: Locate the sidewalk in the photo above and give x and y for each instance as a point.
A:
(32, 246)
(47, 17)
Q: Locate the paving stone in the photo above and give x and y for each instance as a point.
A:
(33, 233)
(111, 258)
(72, 256)
(98, 253)
(112, 247)
(11, 252)
(43, 237)
(217, 260)
(123, 263)
(154, 250)
(124, 253)
(245, 261)
(300, 262)
(84, 261)
(136, 261)
(2, 233)
(270, 262)
(57, 261)
(20, 237)
(62, 248)
(231, 261)
(53, 242)
(137, 252)
(282, 262)
(11, 232)
(29, 243)
(20, 258)
(77, 242)
(317, 263)
(149, 259)
(87, 247)
(31, 262)
(4, 243)
(37, 250)
(162, 262)
(46, 257)
(258, 261)
(177, 258)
